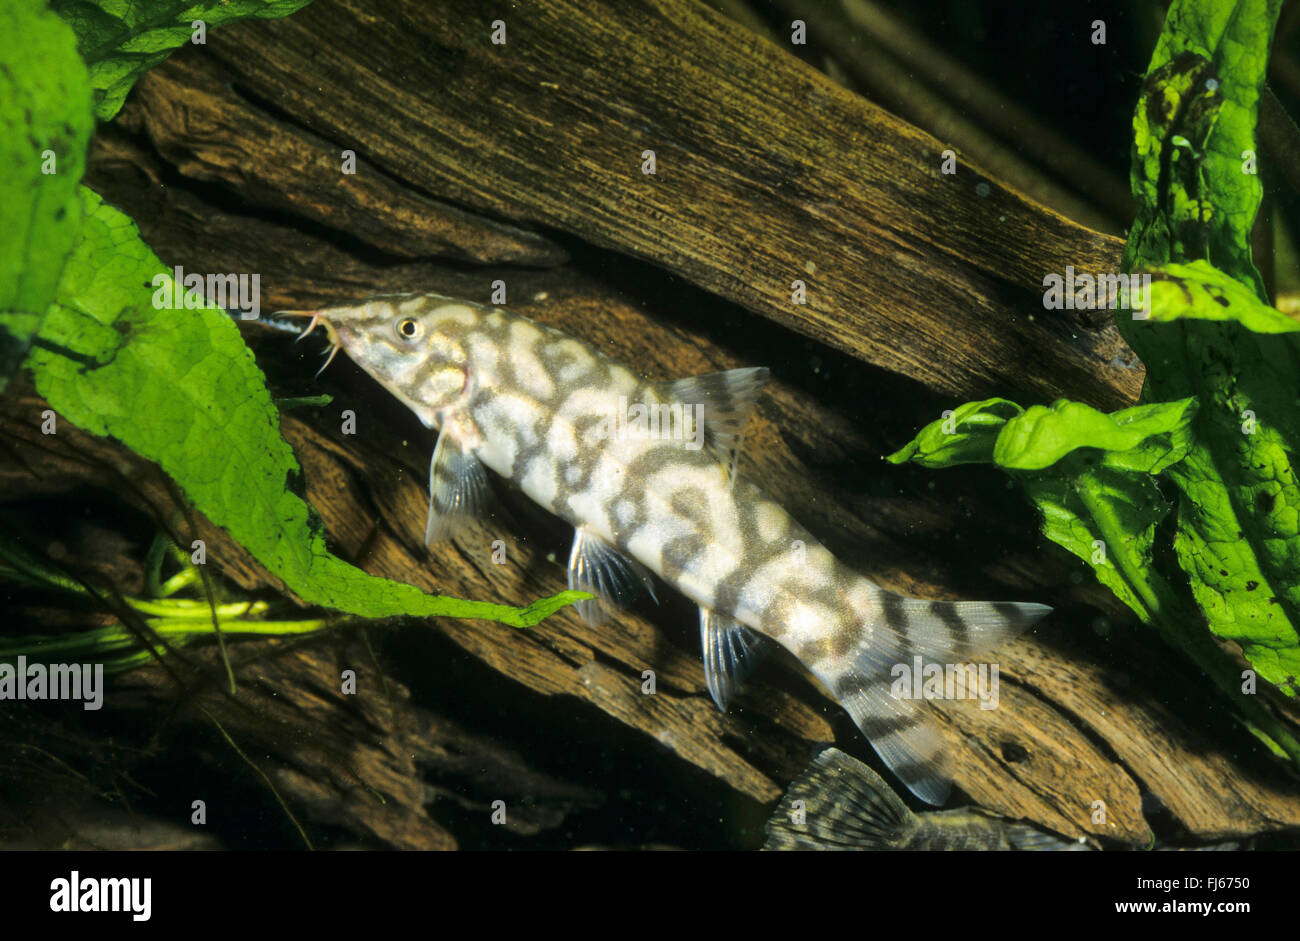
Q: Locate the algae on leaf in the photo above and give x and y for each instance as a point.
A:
(45, 125)
(181, 388)
(1197, 117)
(1212, 335)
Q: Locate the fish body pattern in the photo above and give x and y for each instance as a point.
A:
(839, 803)
(645, 473)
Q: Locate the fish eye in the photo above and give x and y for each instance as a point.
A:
(409, 328)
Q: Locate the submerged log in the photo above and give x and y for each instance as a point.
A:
(523, 164)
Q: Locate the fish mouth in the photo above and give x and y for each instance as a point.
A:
(330, 333)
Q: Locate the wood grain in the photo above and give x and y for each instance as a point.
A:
(767, 173)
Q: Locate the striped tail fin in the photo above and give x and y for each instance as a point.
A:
(944, 632)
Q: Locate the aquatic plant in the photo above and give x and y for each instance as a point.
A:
(77, 285)
(1186, 506)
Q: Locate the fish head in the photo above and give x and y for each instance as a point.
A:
(413, 345)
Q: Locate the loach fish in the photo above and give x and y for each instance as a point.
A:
(645, 472)
(846, 806)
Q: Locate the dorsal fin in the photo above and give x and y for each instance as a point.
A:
(728, 401)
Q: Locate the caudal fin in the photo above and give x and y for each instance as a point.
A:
(902, 629)
(839, 803)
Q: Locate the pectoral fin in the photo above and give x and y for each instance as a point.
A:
(728, 400)
(458, 487)
(731, 652)
(615, 580)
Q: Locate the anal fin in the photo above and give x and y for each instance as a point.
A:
(904, 735)
(731, 652)
(615, 580)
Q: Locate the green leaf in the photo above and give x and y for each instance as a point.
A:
(120, 39)
(1089, 473)
(1237, 532)
(1238, 535)
(45, 126)
(963, 436)
(1144, 439)
(1195, 137)
(1237, 540)
(1199, 291)
(1107, 518)
(180, 387)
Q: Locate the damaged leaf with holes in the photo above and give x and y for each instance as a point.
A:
(1187, 506)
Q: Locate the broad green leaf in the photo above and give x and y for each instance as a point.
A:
(1214, 339)
(1090, 474)
(1195, 137)
(1238, 536)
(45, 125)
(180, 387)
(1199, 291)
(1145, 439)
(1107, 518)
(1219, 419)
(966, 436)
(120, 39)
(1245, 486)
(1242, 559)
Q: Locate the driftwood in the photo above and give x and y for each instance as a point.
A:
(476, 164)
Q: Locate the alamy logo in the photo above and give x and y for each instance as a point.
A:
(181, 291)
(25, 680)
(1084, 291)
(674, 422)
(76, 894)
(920, 680)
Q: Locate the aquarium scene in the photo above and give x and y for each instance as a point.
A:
(632, 425)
